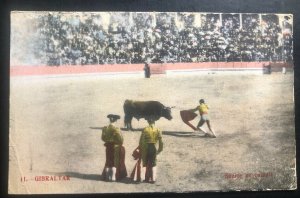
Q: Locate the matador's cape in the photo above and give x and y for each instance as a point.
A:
(136, 172)
(187, 116)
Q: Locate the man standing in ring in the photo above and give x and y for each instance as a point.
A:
(150, 136)
(114, 168)
(203, 111)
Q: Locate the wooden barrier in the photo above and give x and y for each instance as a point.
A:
(57, 70)
(154, 68)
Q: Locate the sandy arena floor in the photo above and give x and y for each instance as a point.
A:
(56, 131)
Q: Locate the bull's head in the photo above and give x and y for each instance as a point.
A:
(166, 113)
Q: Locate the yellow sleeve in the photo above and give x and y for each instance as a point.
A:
(160, 142)
(118, 138)
(195, 109)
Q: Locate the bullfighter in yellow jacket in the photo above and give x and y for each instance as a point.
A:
(203, 111)
(115, 168)
(150, 136)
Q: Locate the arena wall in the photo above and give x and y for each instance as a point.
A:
(165, 68)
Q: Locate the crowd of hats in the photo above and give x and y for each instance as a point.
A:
(158, 38)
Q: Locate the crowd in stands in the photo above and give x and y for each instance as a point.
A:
(163, 37)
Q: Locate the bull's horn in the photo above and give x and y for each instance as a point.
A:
(172, 107)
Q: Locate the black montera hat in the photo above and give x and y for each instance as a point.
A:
(113, 117)
(201, 101)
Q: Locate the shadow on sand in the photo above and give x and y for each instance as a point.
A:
(77, 175)
(171, 133)
(133, 130)
(184, 134)
(94, 177)
(123, 129)
(96, 128)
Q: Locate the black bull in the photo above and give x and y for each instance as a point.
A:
(144, 109)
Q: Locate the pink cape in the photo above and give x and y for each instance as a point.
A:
(187, 116)
(136, 172)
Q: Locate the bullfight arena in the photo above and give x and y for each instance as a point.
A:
(56, 121)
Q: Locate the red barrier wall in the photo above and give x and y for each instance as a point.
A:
(56, 70)
(155, 68)
(210, 65)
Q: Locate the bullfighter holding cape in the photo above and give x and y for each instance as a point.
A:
(146, 154)
(189, 115)
(114, 168)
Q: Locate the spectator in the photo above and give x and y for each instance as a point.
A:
(163, 37)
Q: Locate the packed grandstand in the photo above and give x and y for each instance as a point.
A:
(128, 38)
